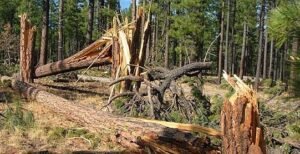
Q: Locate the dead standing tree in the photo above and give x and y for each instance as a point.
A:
(26, 49)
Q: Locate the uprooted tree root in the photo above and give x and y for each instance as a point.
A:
(152, 102)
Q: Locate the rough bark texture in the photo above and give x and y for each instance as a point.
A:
(227, 35)
(89, 35)
(135, 134)
(271, 60)
(26, 49)
(260, 46)
(86, 78)
(64, 66)
(133, 10)
(243, 52)
(221, 45)
(60, 30)
(44, 39)
(167, 37)
(240, 121)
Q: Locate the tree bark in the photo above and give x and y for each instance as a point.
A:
(295, 48)
(101, 21)
(85, 78)
(44, 39)
(227, 35)
(232, 41)
(265, 50)
(275, 64)
(60, 30)
(167, 36)
(89, 34)
(243, 51)
(132, 133)
(26, 49)
(260, 49)
(65, 66)
(133, 10)
(271, 59)
(240, 125)
(221, 44)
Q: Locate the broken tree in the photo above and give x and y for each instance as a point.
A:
(26, 49)
(134, 134)
(242, 132)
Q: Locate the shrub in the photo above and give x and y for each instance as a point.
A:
(275, 90)
(8, 70)
(267, 83)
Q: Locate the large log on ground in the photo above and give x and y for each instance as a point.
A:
(65, 66)
(132, 133)
(240, 121)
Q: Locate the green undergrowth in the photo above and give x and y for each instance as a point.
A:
(8, 70)
(16, 117)
(228, 87)
(272, 88)
(280, 125)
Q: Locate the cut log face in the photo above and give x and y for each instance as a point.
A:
(240, 121)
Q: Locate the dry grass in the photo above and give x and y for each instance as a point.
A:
(40, 136)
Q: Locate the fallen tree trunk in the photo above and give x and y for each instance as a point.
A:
(86, 78)
(64, 66)
(132, 133)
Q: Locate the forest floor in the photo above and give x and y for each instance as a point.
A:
(53, 133)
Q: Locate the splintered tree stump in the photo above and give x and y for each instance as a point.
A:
(240, 121)
(26, 49)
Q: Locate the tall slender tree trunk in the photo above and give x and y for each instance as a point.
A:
(153, 29)
(275, 64)
(156, 39)
(243, 51)
(44, 39)
(232, 41)
(60, 30)
(261, 29)
(89, 34)
(221, 44)
(101, 19)
(265, 50)
(133, 10)
(227, 36)
(281, 65)
(295, 48)
(167, 36)
(271, 59)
